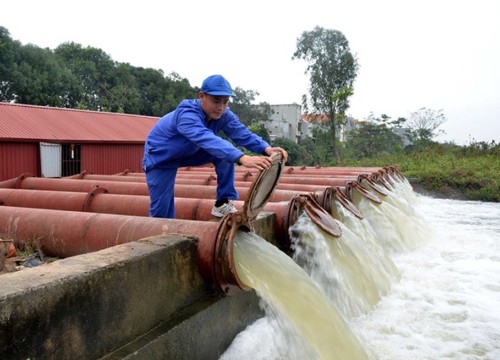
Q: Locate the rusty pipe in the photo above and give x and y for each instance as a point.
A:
(202, 179)
(294, 169)
(70, 233)
(348, 175)
(240, 176)
(35, 183)
(99, 201)
(209, 192)
(87, 176)
(133, 188)
(240, 179)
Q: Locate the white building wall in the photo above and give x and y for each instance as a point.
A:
(285, 122)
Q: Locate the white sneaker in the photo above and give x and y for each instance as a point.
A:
(220, 211)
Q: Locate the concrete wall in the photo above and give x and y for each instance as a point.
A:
(143, 299)
(284, 121)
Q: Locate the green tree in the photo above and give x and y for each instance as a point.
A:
(175, 90)
(260, 129)
(332, 69)
(124, 96)
(95, 71)
(9, 50)
(152, 88)
(38, 78)
(293, 149)
(309, 155)
(243, 106)
(374, 136)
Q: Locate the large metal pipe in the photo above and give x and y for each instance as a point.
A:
(87, 176)
(99, 201)
(68, 233)
(200, 178)
(137, 188)
(345, 176)
(209, 192)
(35, 183)
(203, 178)
(299, 170)
(321, 181)
(304, 176)
(71, 232)
(240, 176)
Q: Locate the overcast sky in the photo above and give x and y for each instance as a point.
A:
(438, 54)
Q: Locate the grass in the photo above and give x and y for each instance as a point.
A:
(476, 175)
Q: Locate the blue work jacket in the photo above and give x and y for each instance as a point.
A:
(182, 132)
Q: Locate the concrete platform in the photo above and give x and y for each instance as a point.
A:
(141, 300)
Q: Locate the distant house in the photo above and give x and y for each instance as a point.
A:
(56, 142)
(284, 122)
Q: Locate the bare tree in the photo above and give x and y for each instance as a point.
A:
(424, 123)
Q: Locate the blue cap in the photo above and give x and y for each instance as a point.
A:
(216, 85)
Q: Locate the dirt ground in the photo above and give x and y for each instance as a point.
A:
(12, 259)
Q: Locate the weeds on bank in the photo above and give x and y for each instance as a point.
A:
(473, 170)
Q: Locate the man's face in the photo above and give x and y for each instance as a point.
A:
(213, 106)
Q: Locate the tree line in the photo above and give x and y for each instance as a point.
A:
(77, 77)
(73, 76)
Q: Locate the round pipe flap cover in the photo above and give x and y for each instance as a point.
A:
(262, 188)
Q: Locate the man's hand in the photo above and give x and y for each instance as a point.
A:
(262, 162)
(258, 162)
(271, 150)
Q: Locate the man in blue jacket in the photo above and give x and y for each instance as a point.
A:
(187, 136)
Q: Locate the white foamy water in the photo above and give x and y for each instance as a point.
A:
(446, 304)
(309, 324)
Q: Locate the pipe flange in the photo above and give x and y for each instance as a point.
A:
(351, 185)
(372, 184)
(346, 203)
(320, 217)
(209, 179)
(80, 175)
(19, 180)
(124, 172)
(91, 195)
(247, 175)
(224, 272)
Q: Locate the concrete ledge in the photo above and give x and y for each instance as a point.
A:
(143, 299)
(88, 305)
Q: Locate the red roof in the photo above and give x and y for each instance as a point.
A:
(314, 118)
(39, 123)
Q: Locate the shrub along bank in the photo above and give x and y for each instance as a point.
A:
(463, 172)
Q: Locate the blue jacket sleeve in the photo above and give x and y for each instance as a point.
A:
(193, 128)
(242, 136)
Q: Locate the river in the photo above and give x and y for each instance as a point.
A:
(445, 303)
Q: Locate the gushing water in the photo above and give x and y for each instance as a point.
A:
(294, 302)
(363, 231)
(343, 267)
(398, 231)
(445, 303)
